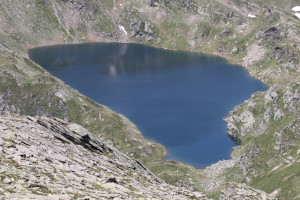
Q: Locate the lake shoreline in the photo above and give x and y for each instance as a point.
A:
(216, 59)
(164, 48)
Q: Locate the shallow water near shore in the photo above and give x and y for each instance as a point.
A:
(178, 99)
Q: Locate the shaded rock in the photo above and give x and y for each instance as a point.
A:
(272, 34)
(112, 180)
(142, 30)
(225, 33)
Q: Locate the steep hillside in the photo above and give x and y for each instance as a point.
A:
(260, 35)
(27, 89)
(43, 158)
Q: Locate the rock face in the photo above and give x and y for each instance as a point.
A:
(142, 30)
(48, 158)
(237, 191)
(268, 126)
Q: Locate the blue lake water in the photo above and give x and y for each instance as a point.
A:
(175, 98)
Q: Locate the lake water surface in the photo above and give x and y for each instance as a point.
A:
(175, 98)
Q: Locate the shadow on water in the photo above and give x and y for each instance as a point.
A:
(123, 58)
(235, 140)
(178, 99)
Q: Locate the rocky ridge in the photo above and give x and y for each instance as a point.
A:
(269, 125)
(48, 158)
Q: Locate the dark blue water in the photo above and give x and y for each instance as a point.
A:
(175, 98)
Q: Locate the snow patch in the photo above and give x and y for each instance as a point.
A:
(251, 16)
(296, 9)
(297, 15)
(123, 29)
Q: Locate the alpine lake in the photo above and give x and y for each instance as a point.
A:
(176, 98)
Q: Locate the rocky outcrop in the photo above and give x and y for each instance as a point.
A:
(214, 174)
(256, 114)
(272, 34)
(142, 30)
(268, 126)
(238, 191)
(48, 158)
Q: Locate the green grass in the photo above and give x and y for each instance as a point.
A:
(176, 172)
(104, 23)
(36, 95)
(287, 179)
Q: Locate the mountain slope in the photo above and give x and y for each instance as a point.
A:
(260, 35)
(43, 158)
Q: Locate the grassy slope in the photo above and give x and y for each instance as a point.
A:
(29, 90)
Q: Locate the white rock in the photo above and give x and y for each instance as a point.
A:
(7, 180)
(58, 197)
(77, 129)
(58, 157)
(115, 188)
(17, 159)
(278, 115)
(198, 194)
(286, 161)
(21, 181)
(63, 95)
(271, 94)
(24, 150)
(247, 118)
